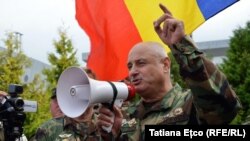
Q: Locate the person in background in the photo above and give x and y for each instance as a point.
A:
(55, 110)
(81, 128)
(3, 95)
(47, 131)
(210, 99)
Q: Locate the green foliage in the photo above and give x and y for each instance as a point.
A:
(13, 62)
(236, 67)
(238, 119)
(175, 72)
(247, 121)
(35, 91)
(65, 58)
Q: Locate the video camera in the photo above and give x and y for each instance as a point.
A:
(12, 113)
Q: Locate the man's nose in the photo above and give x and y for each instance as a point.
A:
(133, 71)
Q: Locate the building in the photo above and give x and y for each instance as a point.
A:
(36, 68)
(215, 49)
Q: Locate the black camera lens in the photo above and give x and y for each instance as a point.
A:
(19, 103)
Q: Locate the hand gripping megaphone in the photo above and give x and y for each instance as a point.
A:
(76, 92)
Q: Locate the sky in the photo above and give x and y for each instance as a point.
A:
(39, 21)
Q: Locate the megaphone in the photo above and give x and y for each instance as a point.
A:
(76, 92)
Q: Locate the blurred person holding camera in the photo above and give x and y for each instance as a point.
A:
(2, 96)
(3, 136)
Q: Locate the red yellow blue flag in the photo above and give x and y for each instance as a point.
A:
(114, 26)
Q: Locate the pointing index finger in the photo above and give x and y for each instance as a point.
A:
(164, 9)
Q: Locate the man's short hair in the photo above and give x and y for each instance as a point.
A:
(53, 94)
(89, 72)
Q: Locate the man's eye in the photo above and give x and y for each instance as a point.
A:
(129, 67)
(141, 63)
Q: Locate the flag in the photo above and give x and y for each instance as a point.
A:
(114, 26)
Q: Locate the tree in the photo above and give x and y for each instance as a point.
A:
(35, 91)
(13, 64)
(175, 72)
(66, 57)
(236, 67)
(13, 61)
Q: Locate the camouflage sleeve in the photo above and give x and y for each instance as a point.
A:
(41, 134)
(214, 99)
(49, 130)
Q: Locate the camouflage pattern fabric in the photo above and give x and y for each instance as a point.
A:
(210, 99)
(49, 130)
(66, 129)
(73, 131)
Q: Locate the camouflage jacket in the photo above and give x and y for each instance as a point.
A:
(210, 99)
(49, 130)
(65, 129)
(73, 131)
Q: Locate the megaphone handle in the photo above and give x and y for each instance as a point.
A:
(109, 128)
(110, 105)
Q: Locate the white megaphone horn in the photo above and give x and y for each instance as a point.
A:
(76, 92)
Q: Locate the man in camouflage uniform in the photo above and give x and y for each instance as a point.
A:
(71, 129)
(210, 99)
(83, 129)
(68, 129)
(50, 129)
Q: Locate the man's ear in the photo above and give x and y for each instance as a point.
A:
(166, 63)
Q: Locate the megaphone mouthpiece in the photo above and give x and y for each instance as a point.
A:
(131, 92)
